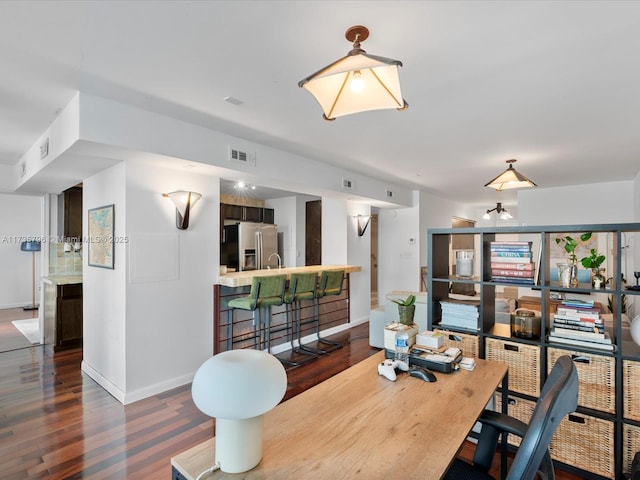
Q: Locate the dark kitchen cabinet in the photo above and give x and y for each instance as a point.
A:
(246, 214)
(62, 316)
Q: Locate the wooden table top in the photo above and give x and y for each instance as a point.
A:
(244, 278)
(358, 424)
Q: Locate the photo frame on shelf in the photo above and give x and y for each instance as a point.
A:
(100, 241)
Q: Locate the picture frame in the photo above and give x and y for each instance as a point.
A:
(100, 232)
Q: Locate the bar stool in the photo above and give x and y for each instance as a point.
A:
(302, 286)
(266, 291)
(331, 282)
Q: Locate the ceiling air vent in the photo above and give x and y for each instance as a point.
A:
(347, 184)
(389, 193)
(240, 156)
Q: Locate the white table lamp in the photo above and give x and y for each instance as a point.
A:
(237, 387)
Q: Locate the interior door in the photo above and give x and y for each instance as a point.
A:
(373, 228)
(313, 233)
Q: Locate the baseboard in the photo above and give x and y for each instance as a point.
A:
(129, 397)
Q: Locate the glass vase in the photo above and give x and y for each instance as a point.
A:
(573, 273)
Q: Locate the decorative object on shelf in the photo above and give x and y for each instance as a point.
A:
(356, 83)
(635, 329)
(637, 276)
(464, 263)
(570, 244)
(510, 179)
(593, 261)
(564, 274)
(406, 309)
(237, 387)
(500, 210)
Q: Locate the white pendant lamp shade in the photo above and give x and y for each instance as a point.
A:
(237, 387)
(356, 83)
(510, 178)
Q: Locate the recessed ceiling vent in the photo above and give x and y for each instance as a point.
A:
(240, 156)
(347, 184)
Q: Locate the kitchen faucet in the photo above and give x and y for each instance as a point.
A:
(279, 261)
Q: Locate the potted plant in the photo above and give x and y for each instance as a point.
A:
(570, 245)
(406, 309)
(593, 261)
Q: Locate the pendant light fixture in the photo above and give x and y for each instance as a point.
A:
(500, 210)
(510, 179)
(356, 83)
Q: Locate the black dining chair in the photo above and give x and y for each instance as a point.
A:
(559, 397)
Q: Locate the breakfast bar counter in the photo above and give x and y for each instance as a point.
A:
(334, 311)
(244, 278)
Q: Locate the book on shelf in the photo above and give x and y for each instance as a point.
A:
(511, 243)
(510, 249)
(513, 265)
(585, 327)
(511, 272)
(577, 303)
(593, 336)
(578, 312)
(582, 343)
(510, 254)
(577, 315)
(517, 280)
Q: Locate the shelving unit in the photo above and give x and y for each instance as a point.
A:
(601, 438)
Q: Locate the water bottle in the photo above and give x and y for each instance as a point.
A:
(402, 344)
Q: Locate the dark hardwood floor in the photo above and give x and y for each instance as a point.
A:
(57, 423)
(10, 336)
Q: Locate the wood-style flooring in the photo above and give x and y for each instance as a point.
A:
(57, 423)
(10, 336)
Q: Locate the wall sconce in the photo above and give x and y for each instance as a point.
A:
(504, 215)
(183, 201)
(363, 223)
(238, 387)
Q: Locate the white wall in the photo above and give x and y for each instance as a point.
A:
(334, 231)
(359, 253)
(20, 220)
(149, 322)
(104, 290)
(597, 203)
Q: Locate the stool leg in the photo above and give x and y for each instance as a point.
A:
(296, 314)
(333, 345)
(230, 329)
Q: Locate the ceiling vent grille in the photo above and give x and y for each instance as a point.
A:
(347, 184)
(389, 193)
(240, 156)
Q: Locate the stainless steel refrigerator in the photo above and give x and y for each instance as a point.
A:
(256, 245)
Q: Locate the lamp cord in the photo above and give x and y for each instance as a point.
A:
(209, 470)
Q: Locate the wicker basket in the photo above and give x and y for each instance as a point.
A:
(585, 442)
(630, 445)
(597, 378)
(468, 344)
(631, 386)
(523, 361)
(517, 408)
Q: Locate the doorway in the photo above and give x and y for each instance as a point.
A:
(313, 233)
(373, 228)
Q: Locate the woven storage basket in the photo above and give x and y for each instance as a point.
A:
(517, 408)
(585, 442)
(631, 387)
(468, 344)
(596, 377)
(523, 361)
(630, 445)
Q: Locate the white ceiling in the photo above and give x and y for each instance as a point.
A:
(555, 85)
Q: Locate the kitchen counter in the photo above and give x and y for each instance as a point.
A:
(62, 279)
(244, 278)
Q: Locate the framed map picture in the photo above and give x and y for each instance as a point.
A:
(101, 237)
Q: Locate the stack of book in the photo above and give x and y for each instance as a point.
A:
(512, 262)
(578, 322)
(460, 314)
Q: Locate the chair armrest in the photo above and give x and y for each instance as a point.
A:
(493, 424)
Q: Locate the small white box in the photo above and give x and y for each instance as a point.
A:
(430, 339)
(390, 335)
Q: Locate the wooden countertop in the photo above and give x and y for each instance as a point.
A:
(241, 279)
(358, 424)
(62, 279)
